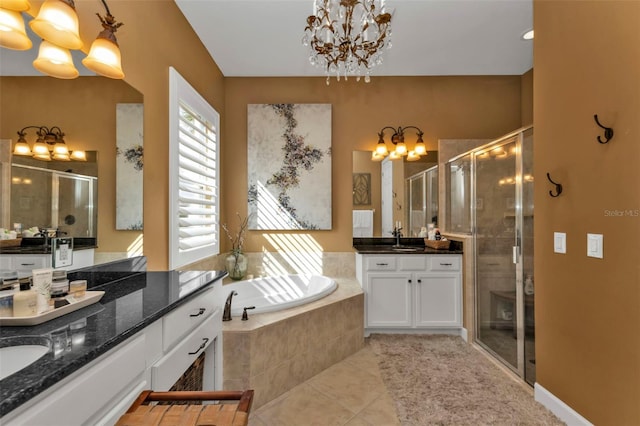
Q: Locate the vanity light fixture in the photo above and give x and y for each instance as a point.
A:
(57, 24)
(104, 55)
(12, 31)
(400, 150)
(49, 145)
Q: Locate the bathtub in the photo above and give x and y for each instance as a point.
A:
(269, 294)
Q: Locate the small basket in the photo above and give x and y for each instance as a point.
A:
(15, 242)
(437, 244)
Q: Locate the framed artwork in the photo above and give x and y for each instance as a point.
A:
(129, 164)
(361, 189)
(289, 166)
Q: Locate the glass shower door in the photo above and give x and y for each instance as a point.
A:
(496, 231)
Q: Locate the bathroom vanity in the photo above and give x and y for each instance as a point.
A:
(148, 328)
(410, 290)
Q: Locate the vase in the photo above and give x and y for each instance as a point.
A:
(236, 264)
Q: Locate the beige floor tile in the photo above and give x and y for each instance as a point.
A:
(304, 405)
(256, 421)
(354, 388)
(381, 412)
(357, 421)
(365, 360)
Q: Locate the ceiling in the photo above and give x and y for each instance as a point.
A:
(253, 38)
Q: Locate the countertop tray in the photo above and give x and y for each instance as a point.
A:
(89, 298)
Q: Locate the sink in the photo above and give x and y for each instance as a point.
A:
(407, 249)
(17, 353)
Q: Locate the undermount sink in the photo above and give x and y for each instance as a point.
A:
(407, 249)
(17, 353)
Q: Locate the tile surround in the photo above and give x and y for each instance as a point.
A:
(274, 352)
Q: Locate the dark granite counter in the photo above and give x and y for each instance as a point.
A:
(407, 246)
(132, 301)
(43, 245)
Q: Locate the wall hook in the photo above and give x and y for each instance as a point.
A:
(608, 131)
(558, 187)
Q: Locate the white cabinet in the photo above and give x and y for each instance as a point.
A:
(28, 262)
(100, 392)
(411, 292)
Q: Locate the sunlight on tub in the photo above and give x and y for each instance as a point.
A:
(278, 289)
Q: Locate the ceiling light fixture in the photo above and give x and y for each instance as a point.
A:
(397, 138)
(57, 25)
(49, 145)
(104, 55)
(346, 37)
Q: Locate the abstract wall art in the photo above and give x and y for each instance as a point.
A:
(289, 166)
(129, 162)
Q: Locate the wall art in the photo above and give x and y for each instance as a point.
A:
(129, 162)
(289, 166)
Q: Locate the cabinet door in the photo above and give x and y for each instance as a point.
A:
(388, 300)
(438, 300)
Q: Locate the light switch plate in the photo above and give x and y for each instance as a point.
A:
(559, 242)
(595, 245)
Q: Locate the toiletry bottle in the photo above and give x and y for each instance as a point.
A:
(42, 279)
(59, 283)
(25, 303)
(78, 288)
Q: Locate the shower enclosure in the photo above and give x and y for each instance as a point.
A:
(422, 196)
(54, 199)
(491, 197)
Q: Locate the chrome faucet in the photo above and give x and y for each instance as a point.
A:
(226, 315)
(397, 232)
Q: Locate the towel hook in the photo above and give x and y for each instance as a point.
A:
(608, 131)
(558, 187)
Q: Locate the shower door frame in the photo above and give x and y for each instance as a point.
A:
(517, 255)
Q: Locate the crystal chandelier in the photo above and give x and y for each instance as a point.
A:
(346, 37)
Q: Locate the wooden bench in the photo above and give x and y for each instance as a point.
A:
(143, 412)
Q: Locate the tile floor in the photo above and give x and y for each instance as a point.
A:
(349, 393)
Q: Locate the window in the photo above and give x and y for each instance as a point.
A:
(194, 128)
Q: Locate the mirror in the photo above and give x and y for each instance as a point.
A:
(384, 187)
(85, 109)
(69, 187)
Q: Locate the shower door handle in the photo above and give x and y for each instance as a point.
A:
(515, 254)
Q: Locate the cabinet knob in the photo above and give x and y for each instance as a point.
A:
(419, 281)
(446, 264)
(409, 281)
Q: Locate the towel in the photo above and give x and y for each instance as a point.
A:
(363, 223)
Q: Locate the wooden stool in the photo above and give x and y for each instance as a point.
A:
(232, 414)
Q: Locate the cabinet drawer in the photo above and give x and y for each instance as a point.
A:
(444, 263)
(413, 262)
(380, 263)
(171, 366)
(27, 263)
(187, 317)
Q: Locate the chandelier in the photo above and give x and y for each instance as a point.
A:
(401, 150)
(346, 37)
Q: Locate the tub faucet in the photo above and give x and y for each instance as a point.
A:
(226, 315)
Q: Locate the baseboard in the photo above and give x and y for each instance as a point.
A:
(464, 334)
(559, 408)
(453, 331)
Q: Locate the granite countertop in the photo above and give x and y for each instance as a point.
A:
(407, 246)
(131, 302)
(43, 246)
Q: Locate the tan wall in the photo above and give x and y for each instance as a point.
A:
(526, 98)
(443, 107)
(587, 61)
(85, 109)
(151, 40)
